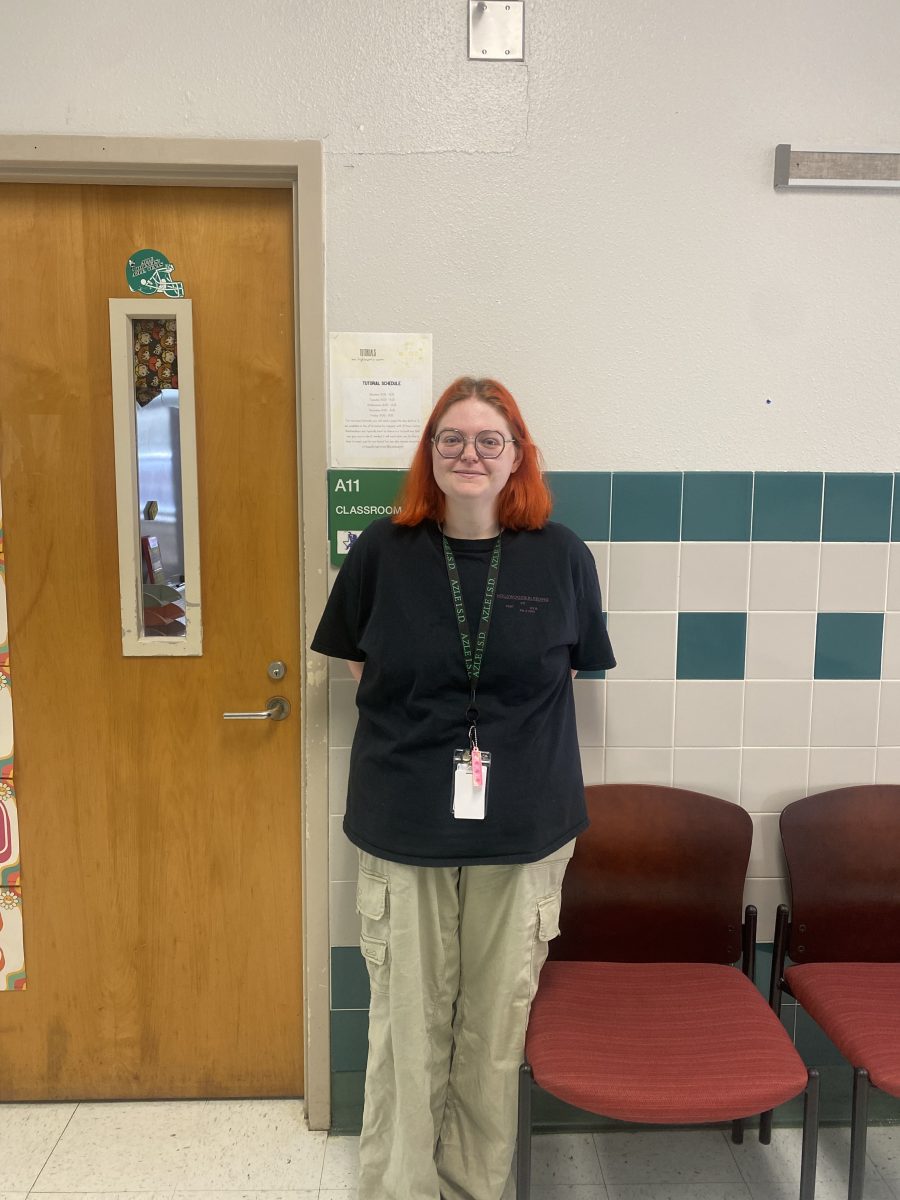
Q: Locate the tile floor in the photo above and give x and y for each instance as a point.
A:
(262, 1150)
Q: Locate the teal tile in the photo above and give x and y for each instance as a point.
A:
(349, 1040)
(646, 506)
(857, 507)
(716, 506)
(848, 645)
(895, 520)
(581, 501)
(591, 675)
(347, 1092)
(349, 978)
(787, 506)
(711, 645)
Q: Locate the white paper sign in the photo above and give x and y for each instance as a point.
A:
(380, 397)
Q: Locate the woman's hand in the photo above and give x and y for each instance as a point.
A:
(356, 668)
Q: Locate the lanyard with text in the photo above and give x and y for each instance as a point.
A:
(473, 656)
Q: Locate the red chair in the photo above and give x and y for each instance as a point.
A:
(843, 935)
(639, 1014)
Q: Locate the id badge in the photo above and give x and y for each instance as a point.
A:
(470, 799)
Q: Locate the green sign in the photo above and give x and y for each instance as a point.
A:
(150, 273)
(355, 500)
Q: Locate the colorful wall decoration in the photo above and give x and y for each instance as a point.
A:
(12, 947)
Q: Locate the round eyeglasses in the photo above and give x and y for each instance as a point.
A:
(489, 443)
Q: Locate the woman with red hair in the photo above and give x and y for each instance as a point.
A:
(464, 619)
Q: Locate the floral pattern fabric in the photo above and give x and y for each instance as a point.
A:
(155, 359)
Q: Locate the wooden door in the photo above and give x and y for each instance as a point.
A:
(160, 844)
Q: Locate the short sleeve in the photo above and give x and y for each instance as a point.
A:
(593, 650)
(341, 627)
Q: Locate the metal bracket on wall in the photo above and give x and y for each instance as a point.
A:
(835, 169)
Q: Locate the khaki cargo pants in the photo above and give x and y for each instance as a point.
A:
(454, 955)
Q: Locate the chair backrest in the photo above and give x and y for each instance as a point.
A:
(843, 854)
(658, 877)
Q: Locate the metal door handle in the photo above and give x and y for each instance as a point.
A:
(277, 708)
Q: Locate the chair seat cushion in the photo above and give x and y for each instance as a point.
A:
(660, 1043)
(858, 1006)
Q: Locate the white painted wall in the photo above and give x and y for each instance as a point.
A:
(597, 227)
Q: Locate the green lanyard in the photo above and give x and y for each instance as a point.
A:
(472, 658)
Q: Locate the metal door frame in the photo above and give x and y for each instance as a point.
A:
(154, 162)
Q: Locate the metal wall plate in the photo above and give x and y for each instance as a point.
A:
(497, 30)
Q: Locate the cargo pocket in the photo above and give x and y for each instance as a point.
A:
(548, 917)
(546, 929)
(372, 906)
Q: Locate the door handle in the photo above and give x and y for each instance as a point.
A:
(277, 708)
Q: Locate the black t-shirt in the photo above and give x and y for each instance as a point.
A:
(391, 606)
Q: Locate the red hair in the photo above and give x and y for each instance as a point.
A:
(524, 503)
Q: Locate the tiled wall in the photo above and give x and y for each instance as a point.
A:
(756, 623)
(12, 951)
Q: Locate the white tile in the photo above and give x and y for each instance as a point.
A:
(682, 1156)
(645, 644)
(777, 714)
(679, 1191)
(590, 698)
(195, 1146)
(183, 1194)
(712, 770)
(564, 1158)
(772, 777)
(781, 645)
(592, 764)
(343, 920)
(643, 576)
(164, 1195)
(890, 658)
(840, 766)
(784, 576)
(338, 775)
(343, 858)
(639, 713)
(255, 1145)
(845, 712)
(708, 712)
(893, 593)
(777, 1166)
(342, 712)
(337, 1194)
(766, 894)
(766, 855)
(714, 576)
(571, 1191)
(125, 1147)
(644, 764)
(883, 1149)
(341, 1166)
(28, 1133)
(887, 764)
(600, 552)
(889, 715)
(826, 1189)
(853, 576)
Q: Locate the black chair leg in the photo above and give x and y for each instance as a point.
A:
(737, 1131)
(858, 1131)
(765, 1127)
(810, 1137)
(523, 1143)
